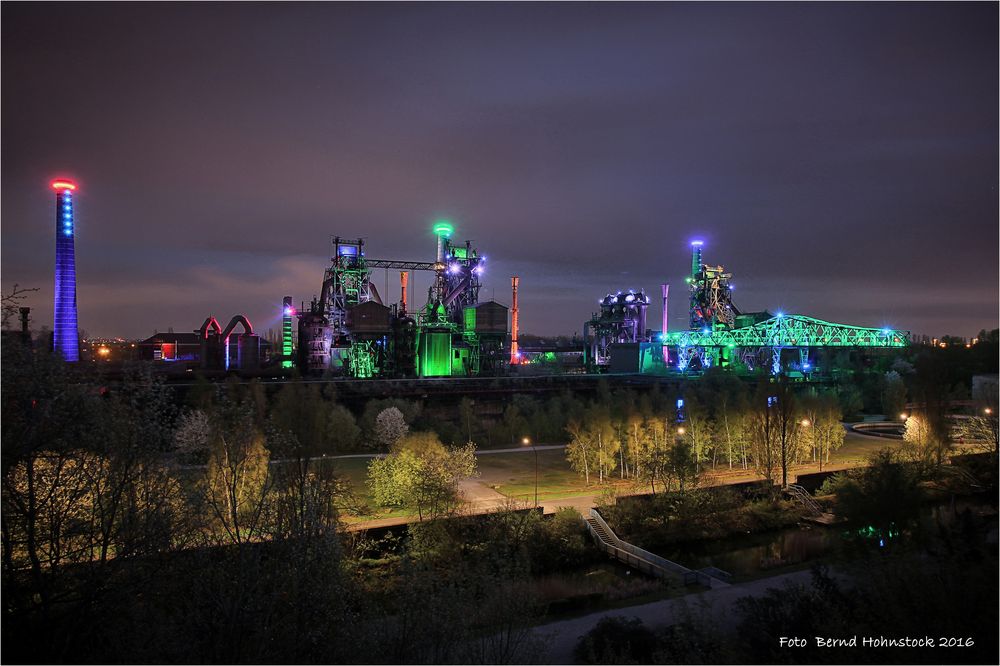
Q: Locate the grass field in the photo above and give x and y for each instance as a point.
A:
(355, 471)
(513, 474)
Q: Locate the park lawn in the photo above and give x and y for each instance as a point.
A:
(513, 475)
(355, 471)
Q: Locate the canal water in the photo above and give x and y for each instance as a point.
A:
(751, 555)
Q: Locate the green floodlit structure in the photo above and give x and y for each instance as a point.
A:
(352, 330)
(721, 335)
(779, 332)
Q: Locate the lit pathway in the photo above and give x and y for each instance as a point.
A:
(561, 637)
(479, 452)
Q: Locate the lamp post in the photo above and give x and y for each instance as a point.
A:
(527, 442)
(805, 423)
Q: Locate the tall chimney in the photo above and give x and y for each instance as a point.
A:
(443, 230)
(287, 310)
(404, 278)
(696, 257)
(515, 355)
(65, 332)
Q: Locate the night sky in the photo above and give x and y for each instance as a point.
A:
(840, 159)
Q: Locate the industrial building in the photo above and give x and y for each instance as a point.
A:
(210, 347)
(719, 333)
(351, 330)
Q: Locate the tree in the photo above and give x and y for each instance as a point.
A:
(422, 474)
(787, 426)
(981, 430)
(237, 482)
(923, 440)
(893, 394)
(410, 410)
(301, 410)
(763, 434)
(617, 640)
(580, 452)
(390, 427)
(731, 413)
(885, 494)
(606, 442)
(698, 429)
(12, 302)
(342, 430)
(683, 463)
(826, 430)
(192, 436)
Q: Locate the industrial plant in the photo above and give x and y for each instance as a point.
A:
(719, 333)
(351, 330)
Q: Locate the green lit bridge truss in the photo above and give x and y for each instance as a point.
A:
(788, 331)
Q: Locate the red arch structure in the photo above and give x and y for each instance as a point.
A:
(208, 351)
(238, 319)
(247, 330)
(209, 323)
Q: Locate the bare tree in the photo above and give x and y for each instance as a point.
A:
(12, 302)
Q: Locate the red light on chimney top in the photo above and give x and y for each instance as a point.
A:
(58, 185)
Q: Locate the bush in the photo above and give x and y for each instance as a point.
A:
(617, 640)
(560, 543)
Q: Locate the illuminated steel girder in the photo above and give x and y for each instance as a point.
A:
(403, 265)
(791, 330)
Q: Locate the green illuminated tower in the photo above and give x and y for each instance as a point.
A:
(287, 311)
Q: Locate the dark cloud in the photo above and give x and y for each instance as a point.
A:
(840, 159)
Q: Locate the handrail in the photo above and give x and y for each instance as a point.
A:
(643, 559)
(803, 496)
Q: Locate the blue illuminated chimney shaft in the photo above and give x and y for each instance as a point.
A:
(65, 331)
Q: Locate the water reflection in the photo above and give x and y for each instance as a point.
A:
(751, 554)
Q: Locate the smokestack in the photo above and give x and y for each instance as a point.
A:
(287, 310)
(696, 257)
(515, 355)
(665, 289)
(443, 230)
(404, 278)
(65, 332)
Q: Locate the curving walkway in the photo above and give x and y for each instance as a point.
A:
(561, 637)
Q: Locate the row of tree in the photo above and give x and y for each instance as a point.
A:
(717, 423)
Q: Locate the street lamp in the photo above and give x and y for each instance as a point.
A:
(805, 423)
(903, 417)
(527, 442)
(680, 431)
(987, 411)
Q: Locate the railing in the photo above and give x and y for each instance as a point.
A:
(873, 428)
(802, 495)
(644, 560)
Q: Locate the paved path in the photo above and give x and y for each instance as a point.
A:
(479, 452)
(561, 637)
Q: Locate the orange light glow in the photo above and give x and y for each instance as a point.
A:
(58, 185)
(103, 351)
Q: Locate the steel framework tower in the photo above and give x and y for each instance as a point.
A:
(711, 293)
(65, 329)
